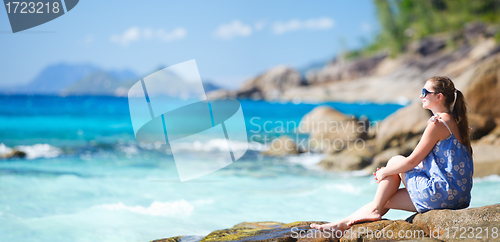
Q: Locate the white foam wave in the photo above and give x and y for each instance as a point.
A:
(155, 146)
(40, 151)
(219, 145)
(308, 160)
(346, 188)
(34, 151)
(361, 172)
(162, 209)
(129, 150)
(4, 149)
(490, 178)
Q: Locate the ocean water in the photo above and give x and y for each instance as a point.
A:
(86, 178)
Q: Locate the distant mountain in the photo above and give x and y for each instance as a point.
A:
(73, 79)
(53, 78)
(99, 83)
(209, 86)
(59, 78)
(312, 66)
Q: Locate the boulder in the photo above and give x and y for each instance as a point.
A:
(383, 230)
(441, 223)
(13, 154)
(284, 145)
(330, 131)
(381, 159)
(486, 159)
(271, 84)
(493, 138)
(347, 160)
(482, 94)
(471, 60)
(481, 125)
(220, 94)
(402, 125)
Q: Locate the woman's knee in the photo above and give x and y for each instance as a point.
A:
(395, 159)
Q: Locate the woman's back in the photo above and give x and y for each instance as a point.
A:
(445, 181)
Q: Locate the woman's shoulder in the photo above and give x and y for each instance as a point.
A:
(440, 125)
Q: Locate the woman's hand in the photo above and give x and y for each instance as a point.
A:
(380, 174)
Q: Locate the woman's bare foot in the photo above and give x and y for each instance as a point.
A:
(371, 215)
(341, 225)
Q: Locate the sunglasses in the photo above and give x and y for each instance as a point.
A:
(425, 92)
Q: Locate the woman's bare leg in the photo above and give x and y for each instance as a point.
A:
(374, 210)
(343, 224)
(401, 201)
(369, 212)
(386, 189)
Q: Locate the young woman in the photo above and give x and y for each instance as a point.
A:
(437, 174)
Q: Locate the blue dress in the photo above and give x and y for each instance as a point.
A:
(445, 182)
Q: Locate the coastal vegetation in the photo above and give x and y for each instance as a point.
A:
(404, 21)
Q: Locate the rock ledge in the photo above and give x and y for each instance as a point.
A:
(471, 224)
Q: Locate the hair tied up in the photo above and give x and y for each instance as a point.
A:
(454, 100)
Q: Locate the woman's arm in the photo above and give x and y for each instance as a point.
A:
(424, 146)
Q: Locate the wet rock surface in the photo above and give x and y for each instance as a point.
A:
(434, 225)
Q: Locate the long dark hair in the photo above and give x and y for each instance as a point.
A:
(458, 107)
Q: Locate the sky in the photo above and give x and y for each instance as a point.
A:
(231, 41)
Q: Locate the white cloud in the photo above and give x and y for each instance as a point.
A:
(124, 39)
(134, 34)
(309, 24)
(233, 29)
(175, 34)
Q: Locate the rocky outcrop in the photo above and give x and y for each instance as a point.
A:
(486, 159)
(345, 70)
(493, 138)
(473, 66)
(401, 126)
(331, 131)
(220, 94)
(284, 145)
(471, 224)
(13, 154)
(271, 84)
(399, 80)
(483, 92)
(481, 125)
(428, 46)
(6, 152)
(442, 223)
(347, 160)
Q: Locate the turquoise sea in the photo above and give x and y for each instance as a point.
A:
(86, 178)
